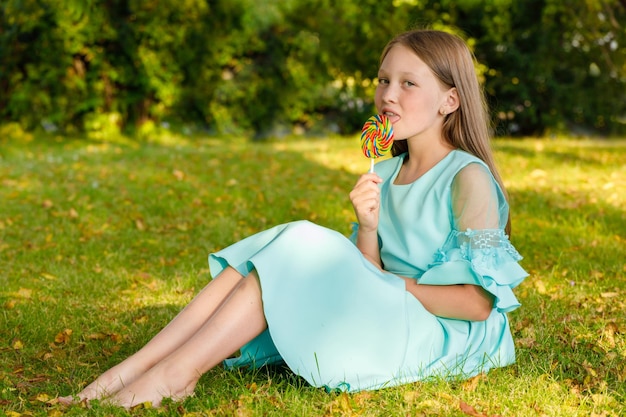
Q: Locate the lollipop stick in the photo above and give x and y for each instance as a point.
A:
(371, 165)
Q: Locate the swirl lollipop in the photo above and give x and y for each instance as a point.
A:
(376, 137)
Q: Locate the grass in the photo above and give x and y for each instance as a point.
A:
(102, 243)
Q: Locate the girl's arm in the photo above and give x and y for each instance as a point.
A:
(367, 242)
(475, 205)
(464, 301)
(365, 199)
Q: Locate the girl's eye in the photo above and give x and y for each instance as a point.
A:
(383, 81)
(409, 83)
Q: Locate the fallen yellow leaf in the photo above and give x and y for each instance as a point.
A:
(144, 405)
(472, 383)
(609, 294)
(116, 337)
(410, 397)
(24, 293)
(180, 175)
(541, 287)
(139, 224)
(63, 337)
(48, 276)
(42, 397)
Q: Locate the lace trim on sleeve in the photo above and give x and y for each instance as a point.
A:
(479, 257)
(483, 246)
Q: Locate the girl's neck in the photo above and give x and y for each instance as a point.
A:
(422, 157)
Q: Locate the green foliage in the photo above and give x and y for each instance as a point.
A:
(265, 67)
(552, 64)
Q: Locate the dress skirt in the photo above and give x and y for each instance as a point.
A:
(339, 322)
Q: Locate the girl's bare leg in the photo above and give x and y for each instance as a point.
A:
(236, 322)
(176, 333)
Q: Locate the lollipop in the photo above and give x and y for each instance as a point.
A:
(376, 137)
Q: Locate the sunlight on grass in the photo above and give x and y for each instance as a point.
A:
(103, 243)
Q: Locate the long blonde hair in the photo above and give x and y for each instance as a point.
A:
(449, 58)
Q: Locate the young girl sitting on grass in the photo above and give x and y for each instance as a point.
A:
(421, 289)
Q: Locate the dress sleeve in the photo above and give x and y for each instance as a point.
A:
(354, 230)
(477, 250)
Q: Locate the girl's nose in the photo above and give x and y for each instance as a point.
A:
(389, 94)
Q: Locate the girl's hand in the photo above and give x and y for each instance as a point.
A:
(365, 197)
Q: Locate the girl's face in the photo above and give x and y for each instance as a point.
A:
(410, 95)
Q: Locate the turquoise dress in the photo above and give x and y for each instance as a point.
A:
(341, 323)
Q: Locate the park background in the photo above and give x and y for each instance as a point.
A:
(138, 136)
(273, 68)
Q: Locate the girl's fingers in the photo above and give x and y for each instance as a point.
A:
(365, 198)
(366, 183)
(369, 177)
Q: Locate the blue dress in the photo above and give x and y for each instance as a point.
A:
(341, 323)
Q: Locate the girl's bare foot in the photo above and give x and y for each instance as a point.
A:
(152, 387)
(107, 384)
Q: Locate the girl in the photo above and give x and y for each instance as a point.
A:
(421, 289)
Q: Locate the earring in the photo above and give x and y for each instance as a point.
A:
(443, 112)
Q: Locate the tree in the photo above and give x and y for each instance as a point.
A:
(255, 66)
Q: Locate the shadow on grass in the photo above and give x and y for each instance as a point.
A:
(592, 154)
(571, 322)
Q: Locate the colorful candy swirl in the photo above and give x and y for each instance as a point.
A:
(376, 136)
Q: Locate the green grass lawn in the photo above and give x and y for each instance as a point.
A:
(102, 243)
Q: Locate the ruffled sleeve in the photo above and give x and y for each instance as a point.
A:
(479, 257)
(477, 251)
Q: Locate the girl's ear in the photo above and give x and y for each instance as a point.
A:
(451, 102)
